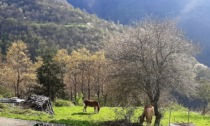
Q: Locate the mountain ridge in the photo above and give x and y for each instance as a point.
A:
(192, 16)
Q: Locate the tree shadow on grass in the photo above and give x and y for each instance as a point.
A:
(83, 113)
(118, 123)
(69, 122)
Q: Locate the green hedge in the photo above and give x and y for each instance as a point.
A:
(62, 103)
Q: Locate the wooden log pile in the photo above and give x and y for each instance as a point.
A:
(39, 103)
(13, 100)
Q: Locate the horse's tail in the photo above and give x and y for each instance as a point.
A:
(98, 107)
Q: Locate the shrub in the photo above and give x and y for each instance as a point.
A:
(7, 95)
(2, 106)
(79, 99)
(125, 113)
(62, 103)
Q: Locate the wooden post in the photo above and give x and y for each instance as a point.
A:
(169, 122)
(188, 116)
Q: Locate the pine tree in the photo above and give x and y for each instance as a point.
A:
(50, 78)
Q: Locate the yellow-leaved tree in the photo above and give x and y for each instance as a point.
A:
(80, 63)
(23, 71)
(5, 75)
(87, 73)
(100, 73)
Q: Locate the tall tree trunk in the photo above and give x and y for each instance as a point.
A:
(98, 92)
(157, 115)
(105, 98)
(82, 85)
(18, 84)
(75, 87)
(71, 89)
(71, 97)
(204, 107)
(15, 87)
(98, 82)
(89, 87)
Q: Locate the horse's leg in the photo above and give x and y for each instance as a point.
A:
(148, 124)
(141, 119)
(84, 110)
(94, 108)
(149, 120)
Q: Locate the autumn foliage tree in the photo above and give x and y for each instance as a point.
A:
(84, 73)
(100, 74)
(21, 67)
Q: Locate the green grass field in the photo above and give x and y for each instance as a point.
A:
(75, 116)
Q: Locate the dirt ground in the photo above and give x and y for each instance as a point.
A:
(17, 122)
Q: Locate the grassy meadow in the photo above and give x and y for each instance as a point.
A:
(74, 115)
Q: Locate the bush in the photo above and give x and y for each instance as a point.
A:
(125, 113)
(62, 103)
(79, 100)
(7, 95)
(2, 106)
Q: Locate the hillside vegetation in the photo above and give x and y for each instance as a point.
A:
(47, 23)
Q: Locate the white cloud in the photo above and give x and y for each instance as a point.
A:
(193, 4)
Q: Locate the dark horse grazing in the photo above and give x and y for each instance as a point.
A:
(91, 103)
(148, 113)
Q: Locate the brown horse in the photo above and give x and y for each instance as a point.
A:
(148, 113)
(91, 103)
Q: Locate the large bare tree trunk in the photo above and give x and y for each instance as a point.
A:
(158, 115)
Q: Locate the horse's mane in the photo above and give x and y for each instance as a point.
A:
(148, 106)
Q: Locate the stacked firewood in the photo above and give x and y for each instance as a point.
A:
(14, 100)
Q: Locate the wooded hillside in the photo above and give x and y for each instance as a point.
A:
(49, 23)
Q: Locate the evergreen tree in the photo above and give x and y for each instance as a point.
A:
(50, 78)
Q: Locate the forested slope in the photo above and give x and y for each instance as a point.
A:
(49, 23)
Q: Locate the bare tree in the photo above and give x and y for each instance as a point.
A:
(153, 56)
